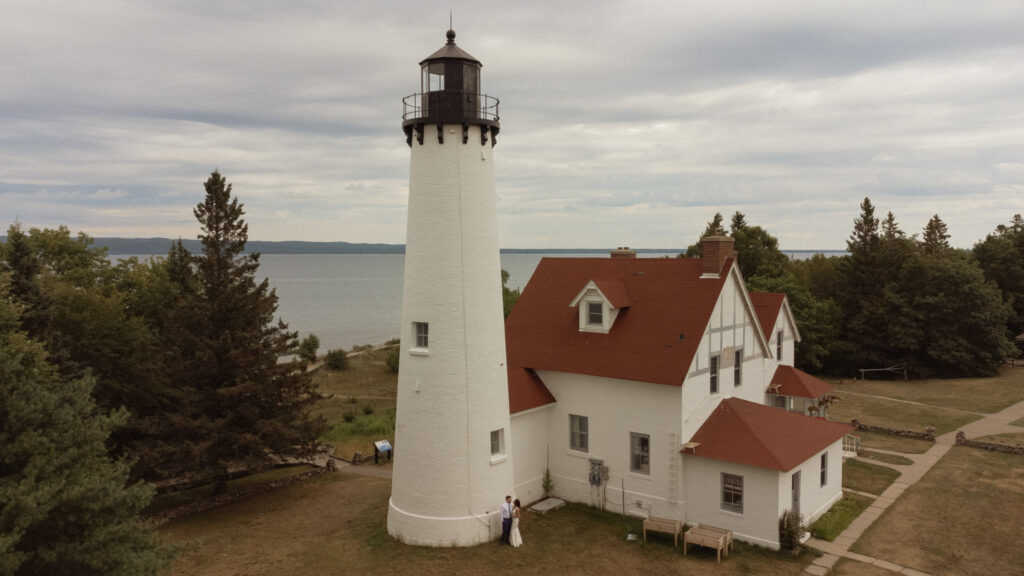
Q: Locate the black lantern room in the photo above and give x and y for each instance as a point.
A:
(450, 94)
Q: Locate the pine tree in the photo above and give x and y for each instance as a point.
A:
(246, 400)
(65, 507)
(713, 228)
(935, 239)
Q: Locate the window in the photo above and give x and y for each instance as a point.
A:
(778, 345)
(824, 468)
(595, 313)
(779, 402)
(732, 493)
(737, 370)
(498, 442)
(578, 433)
(420, 329)
(714, 374)
(639, 453)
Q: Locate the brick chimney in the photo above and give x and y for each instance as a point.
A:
(623, 252)
(715, 250)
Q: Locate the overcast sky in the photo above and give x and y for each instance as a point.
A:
(622, 123)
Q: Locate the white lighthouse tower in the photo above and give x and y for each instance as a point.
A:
(452, 467)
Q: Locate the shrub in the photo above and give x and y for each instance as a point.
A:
(367, 409)
(336, 360)
(547, 483)
(791, 528)
(308, 347)
(391, 359)
(349, 416)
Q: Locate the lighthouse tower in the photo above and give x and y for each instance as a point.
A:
(452, 467)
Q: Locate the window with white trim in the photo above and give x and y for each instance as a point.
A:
(732, 493)
(714, 374)
(420, 331)
(737, 369)
(824, 468)
(595, 314)
(778, 345)
(578, 432)
(497, 442)
(779, 402)
(640, 453)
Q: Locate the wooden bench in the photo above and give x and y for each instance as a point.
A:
(715, 538)
(663, 525)
(727, 533)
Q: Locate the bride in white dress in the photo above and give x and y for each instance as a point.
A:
(514, 537)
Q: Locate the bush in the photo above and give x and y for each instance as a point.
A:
(336, 360)
(367, 409)
(349, 416)
(791, 528)
(391, 359)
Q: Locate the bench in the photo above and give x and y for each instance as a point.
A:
(665, 526)
(710, 538)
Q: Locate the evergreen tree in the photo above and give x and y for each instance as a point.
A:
(1001, 257)
(65, 507)
(245, 401)
(714, 228)
(739, 222)
(935, 239)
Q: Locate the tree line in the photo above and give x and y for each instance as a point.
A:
(894, 299)
(114, 376)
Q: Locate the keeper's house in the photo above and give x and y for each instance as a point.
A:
(661, 387)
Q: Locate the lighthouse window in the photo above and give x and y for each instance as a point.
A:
(497, 442)
(433, 78)
(420, 329)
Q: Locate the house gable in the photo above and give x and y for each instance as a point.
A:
(599, 303)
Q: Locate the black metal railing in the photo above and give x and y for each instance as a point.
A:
(450, 106)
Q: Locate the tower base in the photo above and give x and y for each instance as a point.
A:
(442, 532)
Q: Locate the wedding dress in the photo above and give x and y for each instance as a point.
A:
(514, 537)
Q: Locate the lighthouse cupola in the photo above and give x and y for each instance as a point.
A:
(450, 94)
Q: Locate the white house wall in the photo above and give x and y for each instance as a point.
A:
(731, 326)
(759, 522)
(815, 499)
(531, 434)
(614, 409)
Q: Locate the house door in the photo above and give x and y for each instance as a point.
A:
(795, 504)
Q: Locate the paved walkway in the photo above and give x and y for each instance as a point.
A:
(909, 474)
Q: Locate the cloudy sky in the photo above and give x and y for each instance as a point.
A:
(623, 123)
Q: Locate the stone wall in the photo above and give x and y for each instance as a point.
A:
(961, 440)
(928, 434)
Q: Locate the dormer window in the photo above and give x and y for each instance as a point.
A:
(599, 303)
(595, 314)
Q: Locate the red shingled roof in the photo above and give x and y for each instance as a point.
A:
(652, 340)
(526, 391)
(615, 291)
(767, 306)
(789, 381)
(743, 432)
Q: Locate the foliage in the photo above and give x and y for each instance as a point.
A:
(392, 359)
(336, 359)
(1001, 256)
(308, 347)
(713, 228)
(546, 483)
(791, 528)
(65, 506)
(509, 297)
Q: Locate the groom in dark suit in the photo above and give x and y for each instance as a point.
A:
(506, 519)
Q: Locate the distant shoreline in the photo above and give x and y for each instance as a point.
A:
(138, 246)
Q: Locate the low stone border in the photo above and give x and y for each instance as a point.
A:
(928, 434)
(961, 440)
(217, 501)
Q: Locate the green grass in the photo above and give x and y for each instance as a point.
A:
(893, 414)
(831, 523)
(985, 395)
(870, 478)
(1018, 422)
(886, 458)
(963, 517)
(360, 408)
(880, 441)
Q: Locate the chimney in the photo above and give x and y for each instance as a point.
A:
(715, 250)
(623, 252)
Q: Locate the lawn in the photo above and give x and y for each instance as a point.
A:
(985, 395)
(870, 478)
(895, 414)
(962, 518)
(847, 567)
(1008, 438)
(360, 408)
(831, 523)
(885, 458)
(336, 524)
